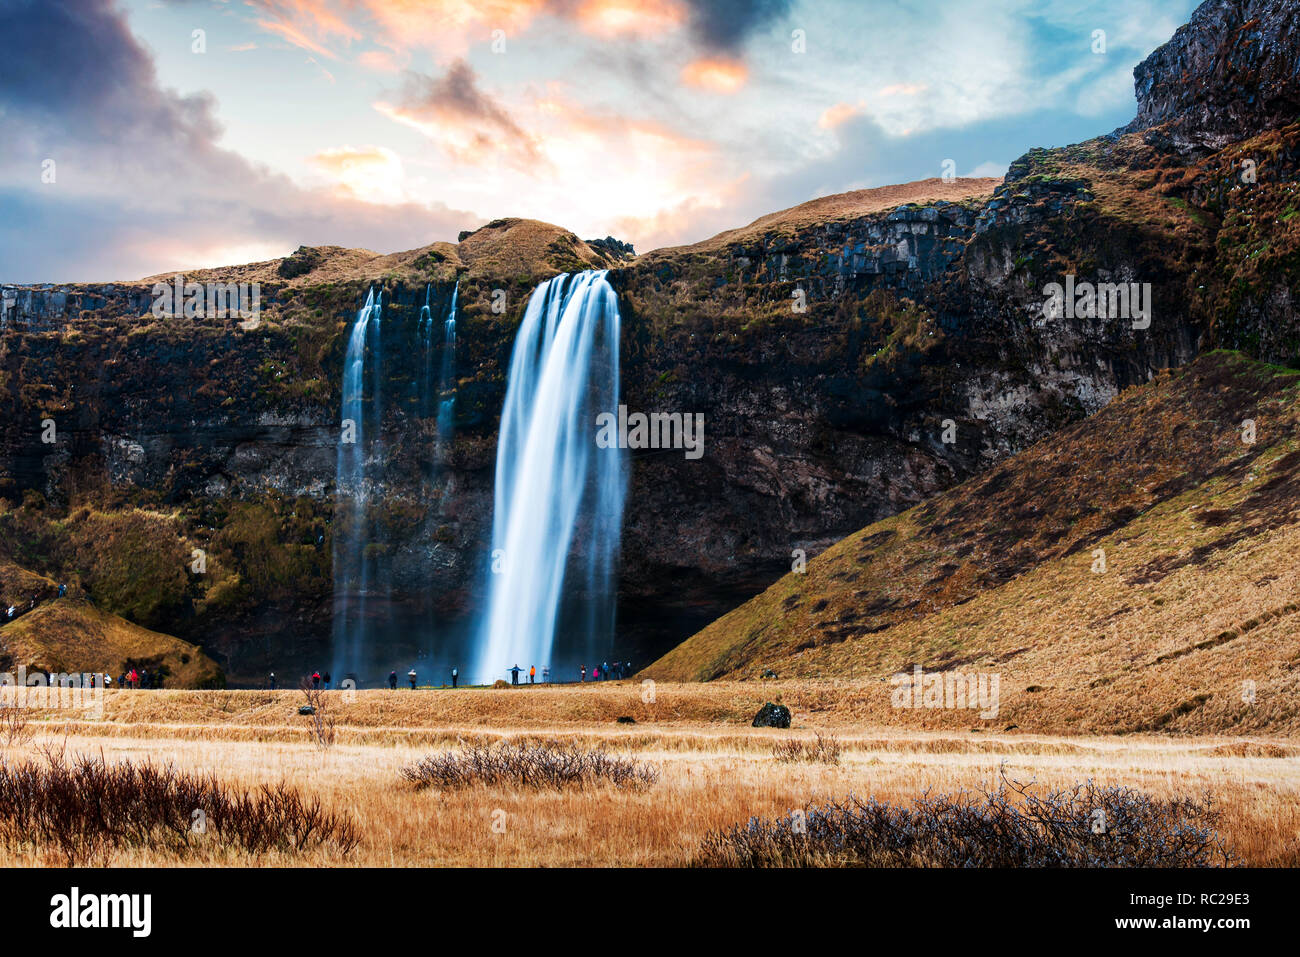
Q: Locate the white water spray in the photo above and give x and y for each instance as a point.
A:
(446, 397)
(351, 526)
(556, 491)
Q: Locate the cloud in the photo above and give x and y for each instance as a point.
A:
(452, 26)
(619, 18)
(371, 173)
(724, 25)
(839, 114)
(715, 74)
(902, 89)
(466, 122)
(142, 185)
(310, 24)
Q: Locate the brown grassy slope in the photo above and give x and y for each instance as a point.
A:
(529, 248)
(851, 205)
(502, 248)
(69, 635)
(1198, 597)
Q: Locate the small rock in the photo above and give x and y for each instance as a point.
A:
(772, 716)
(625, 719)
(1011, 727)
(306, 709)
(768, 673)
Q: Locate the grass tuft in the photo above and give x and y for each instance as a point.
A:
(1083, 826)
(546, 765)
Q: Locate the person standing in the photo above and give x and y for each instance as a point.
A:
(315, 679)
(392, 679)
(532, 674)
(584, 674)
(410, 676)
(514, 674)
(454, 675)
(272, 680)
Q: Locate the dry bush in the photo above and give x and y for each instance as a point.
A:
(87, 807)
(825, 749)
(15, 728)
(1010, 826)
(547, 765)
(322, 719)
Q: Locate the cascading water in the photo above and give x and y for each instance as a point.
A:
(446, 381)
(351, 525)
(424, 330)
(557, 493)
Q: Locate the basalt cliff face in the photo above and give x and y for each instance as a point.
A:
(852, 357)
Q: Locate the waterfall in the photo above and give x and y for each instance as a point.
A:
(556, 492)
(350, 496)
(352, 528)
(447, 381)
(424, 331)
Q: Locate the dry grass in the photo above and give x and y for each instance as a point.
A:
(547, 765)
(1011, 825)
(851, 205)
(72, 635)
(87, 808)
(1188, 629)
(714, 770)
(823, 749)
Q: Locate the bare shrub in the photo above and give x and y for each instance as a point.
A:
(86, 808)
(547, 765)
(15, 727)
(322, 719)
(825, 749)
(1083, 826)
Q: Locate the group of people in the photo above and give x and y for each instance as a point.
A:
(601, 672)
(413, 679)
(621, 669)
(14, 611)
(136, 678)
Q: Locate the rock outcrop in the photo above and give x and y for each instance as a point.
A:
(1230, 72)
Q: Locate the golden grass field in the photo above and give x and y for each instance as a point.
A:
(715, 769)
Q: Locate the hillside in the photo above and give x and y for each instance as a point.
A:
(1199, 592)
(503, 247)
(72, 636)
(842, 206)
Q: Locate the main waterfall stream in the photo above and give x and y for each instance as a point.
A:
(559, 498)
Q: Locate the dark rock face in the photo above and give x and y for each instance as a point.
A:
(1231, 71)
(613, 248)
(772, 716)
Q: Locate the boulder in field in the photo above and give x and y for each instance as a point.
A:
(772, 716)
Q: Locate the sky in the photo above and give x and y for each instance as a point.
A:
(145, 136)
